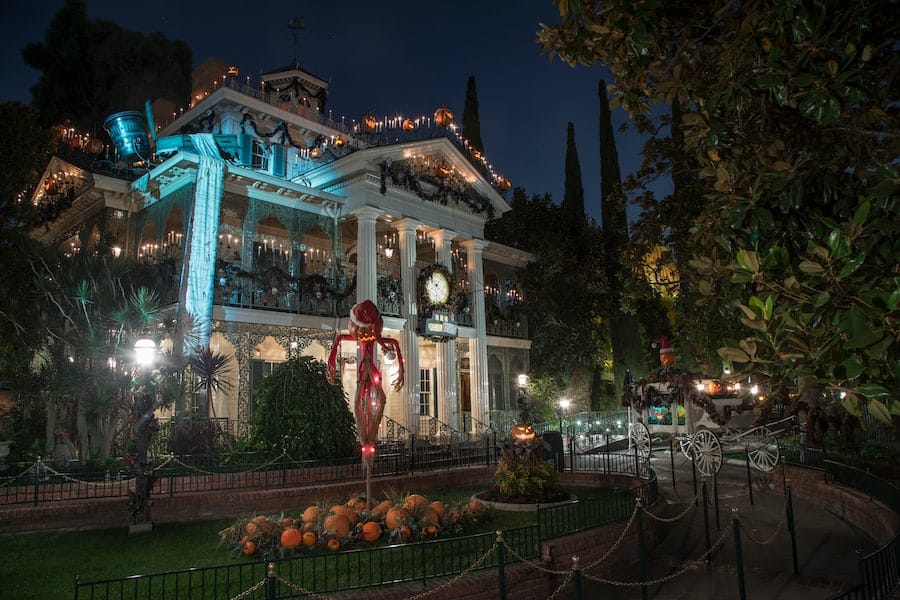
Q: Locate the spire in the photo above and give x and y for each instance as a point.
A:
(471, 124)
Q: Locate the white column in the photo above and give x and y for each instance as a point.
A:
(478, 366)
(446, 351)
(406, 230)
(366, 255)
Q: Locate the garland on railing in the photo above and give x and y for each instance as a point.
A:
(452, 187)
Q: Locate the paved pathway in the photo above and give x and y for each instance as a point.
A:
(825, 545)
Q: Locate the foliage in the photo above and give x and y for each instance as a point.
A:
(91, 69)
(24, 149)
(567, 341)
(789, 124)
(212, 371)
(298, 412)
(524, 474)
(573, 194)
(471, 123)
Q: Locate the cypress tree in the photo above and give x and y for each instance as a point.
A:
(624, 330)
(573, 195)
(471, 125)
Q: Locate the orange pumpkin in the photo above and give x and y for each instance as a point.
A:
(443, 116)
(431, 517)
(334, 544)
(339, 525)
(249, 549)
(476, 508)
(408, 125)
(413, 501)
(311, 514)
(381, 509)
(287, 522)
(371, 531)
(358, 503)
(405, 532)
(309, 539)
(429, 531)
(439, 507)
(291, 538)
(348, 512)
(368, 123)
(309, 527)
(395, 517)
(251, 528)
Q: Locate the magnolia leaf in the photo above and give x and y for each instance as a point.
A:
(862, 212)
(851, 405)
(797, 342)
(757, 324)
(747, 311)
(704, 287)
(748, 346)
(748, 260)
(872, 390)
(733, 354)
(848, 370)
(878, 410)
(813, 268)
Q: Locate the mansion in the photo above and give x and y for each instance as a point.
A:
(271, 220)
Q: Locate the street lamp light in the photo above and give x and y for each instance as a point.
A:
(522, 399)
(144, 428)
(563, 408)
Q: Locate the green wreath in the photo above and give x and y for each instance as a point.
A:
(425, 303)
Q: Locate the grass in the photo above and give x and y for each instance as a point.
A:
(44, 565)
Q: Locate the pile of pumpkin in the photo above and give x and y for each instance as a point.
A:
(405, 518)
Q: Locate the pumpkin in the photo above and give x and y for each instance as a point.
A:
(309, 527)
(431, 517)
(429, 531)
(476, 508)
(311, 514)
(348, 512)
(371, 531)
(438, 507)
(405, 532)
(334, 544)
(443, 116)
(395, 517)
(358, 503)
(291, 538)
(339, 525)
(368, 123)
(251, 528)
(249, 548)
(339, 141)
(309, 539)
(414, 501)
(94, 146)
(381, 509)
(523, 431)
(287, 522)
(408, 125)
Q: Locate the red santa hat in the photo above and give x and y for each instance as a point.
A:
(364, 314)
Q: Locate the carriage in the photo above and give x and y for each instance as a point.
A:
(707, 418)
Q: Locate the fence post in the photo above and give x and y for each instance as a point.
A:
(637, 469)
(77, 583)
(571, 447)
(270, 582)
(862, 574)
(706, 523)
(694, 471)
(576, 578)
(36, 478)
(639, 523)
(284, 469)
(672, 458)
(749, 477)
(501, 569)
(424, 573)
(716, 498)
(738, 554)
(792, 529)
(607, 450)
(412, 453)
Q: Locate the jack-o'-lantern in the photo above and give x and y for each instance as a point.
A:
(443, 116)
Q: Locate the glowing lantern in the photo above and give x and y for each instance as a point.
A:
(408, 125)
(315, 153)
(232, 71)
(368, 123)
(523, 432)
(443, 116)
(339, 141)
(444, 171)
(476, 154)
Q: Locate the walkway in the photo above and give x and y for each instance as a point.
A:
(825, 545)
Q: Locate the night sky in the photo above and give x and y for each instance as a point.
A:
(391, 57)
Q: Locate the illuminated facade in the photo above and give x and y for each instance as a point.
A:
(271, 220)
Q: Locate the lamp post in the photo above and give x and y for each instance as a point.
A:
(145, 426)
(522, 400)
(563, 408)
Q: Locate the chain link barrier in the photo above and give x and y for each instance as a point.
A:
(684, 513)
(246, 593)
(688, 566)
(782, 524)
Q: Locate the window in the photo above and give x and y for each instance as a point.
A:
(260, 159)
(426, 391)
(258, 370)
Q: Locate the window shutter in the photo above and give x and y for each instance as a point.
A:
(278, 160)
(246, 150)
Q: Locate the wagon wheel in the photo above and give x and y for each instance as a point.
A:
(639, 436)
(762, 449)
(707, 452)
(685, 443)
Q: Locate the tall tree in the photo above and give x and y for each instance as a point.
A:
(624, 329)
(791, 127)
(573, 192)
(471, 122)
(91, 69)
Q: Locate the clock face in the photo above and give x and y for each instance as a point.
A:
(437, 288)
